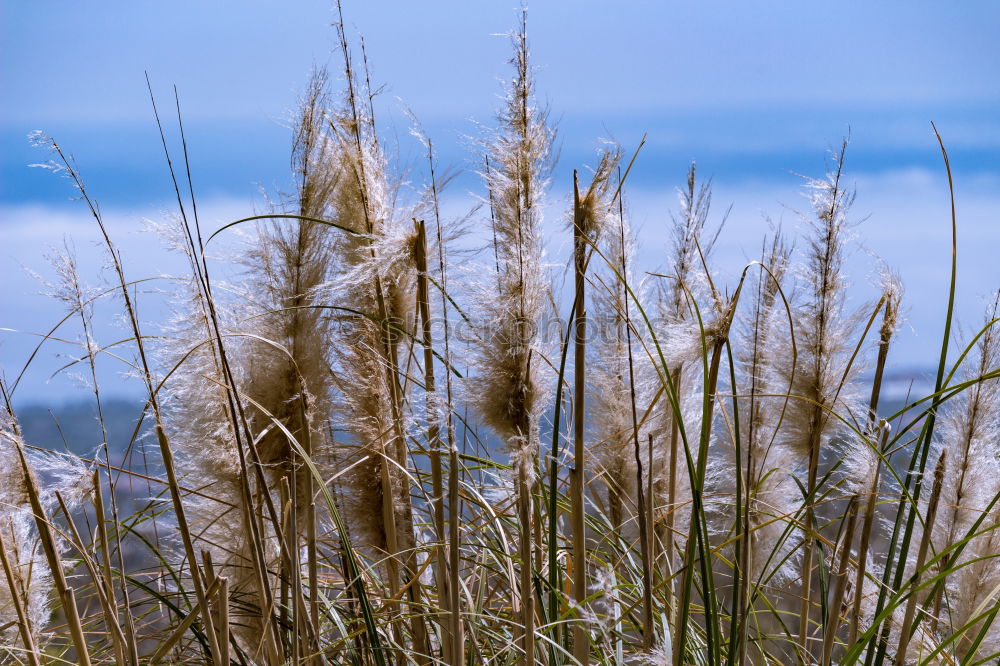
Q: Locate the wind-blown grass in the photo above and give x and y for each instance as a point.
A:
(338, 477)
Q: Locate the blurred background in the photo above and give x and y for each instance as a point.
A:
(757, 93)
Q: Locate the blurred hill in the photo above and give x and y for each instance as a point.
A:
(74, 426)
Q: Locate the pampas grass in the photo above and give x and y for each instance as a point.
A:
(347, 438)
(32, 558)
(507, 390)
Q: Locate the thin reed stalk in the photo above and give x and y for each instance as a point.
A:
(581, 640)
(17, 600)
(49, 544)
(906, 628)
(840, 588)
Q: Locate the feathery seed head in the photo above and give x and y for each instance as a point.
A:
(892, 292)
(50, 473)
(596, 214)
(506, 392)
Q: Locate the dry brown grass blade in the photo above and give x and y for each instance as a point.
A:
(170, 641)
(100, 577)
(837, 602)
(107, 579)
(17, 599)
(453, 559)
(47, 538)
(434, 440)
(865, 540)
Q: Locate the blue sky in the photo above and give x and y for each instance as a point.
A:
(752, 91)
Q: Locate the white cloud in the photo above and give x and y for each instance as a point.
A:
(32, 231)
(904, 218)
